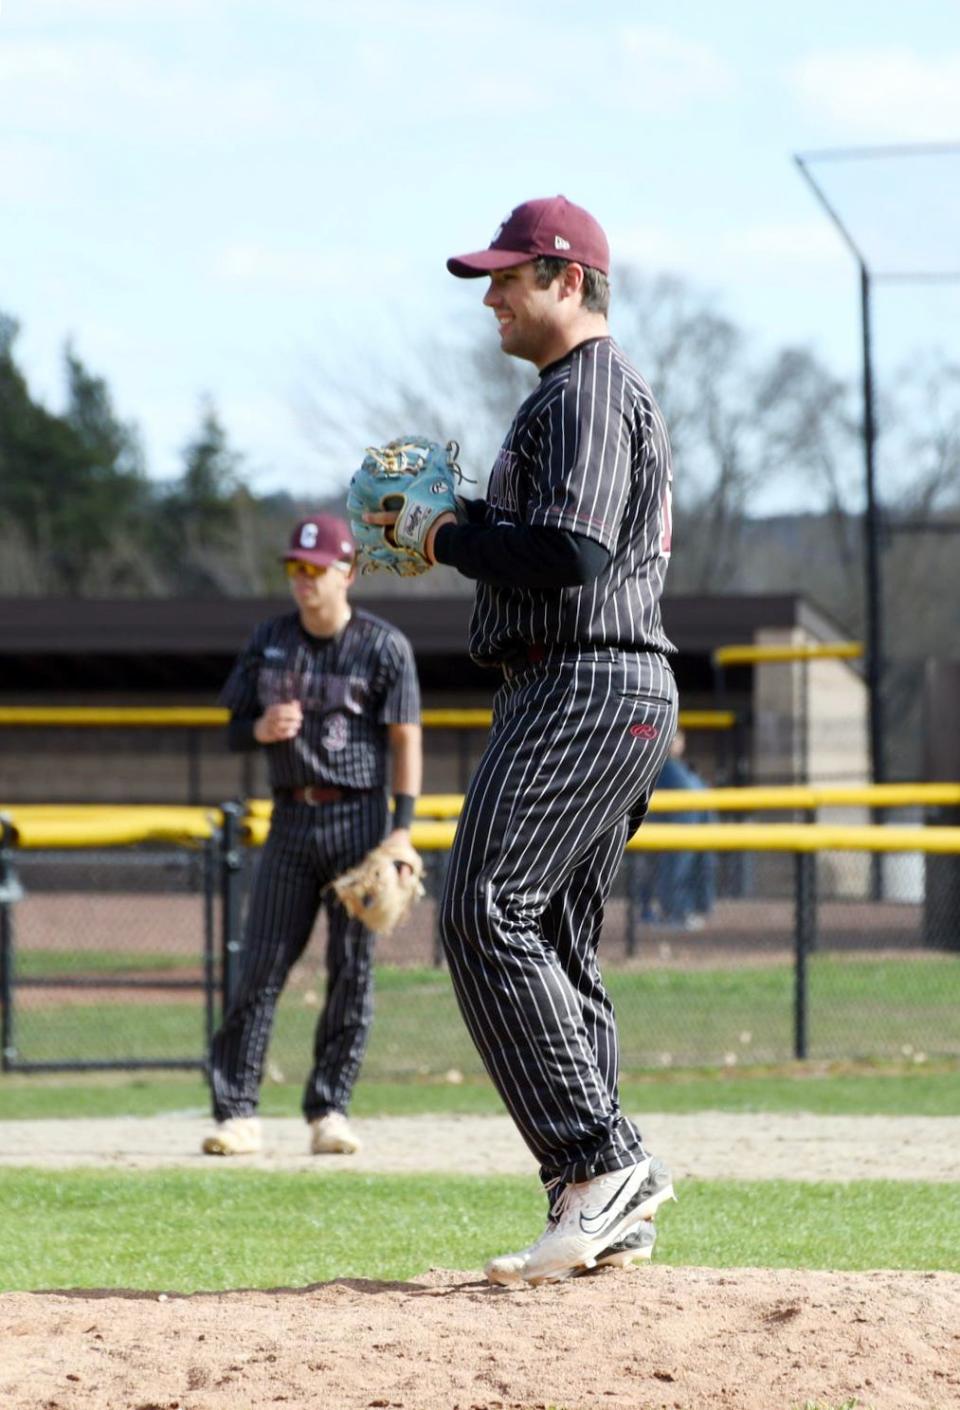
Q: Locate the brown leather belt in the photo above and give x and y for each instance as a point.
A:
(313, 794)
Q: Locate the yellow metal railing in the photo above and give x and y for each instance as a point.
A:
(765, 655)
(110, 716)
(215, 717)
(36, 826)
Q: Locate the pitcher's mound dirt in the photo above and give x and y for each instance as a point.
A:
(652, 1338)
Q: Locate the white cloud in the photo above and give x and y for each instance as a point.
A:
(292, 269)
(108, 87)
(755, 249)
(658, 69)
(806, 242)
(85, 11)
(885, 94)
(35, 176)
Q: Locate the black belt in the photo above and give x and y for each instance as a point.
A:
(316, 793)
(533, 653)
(520, 657)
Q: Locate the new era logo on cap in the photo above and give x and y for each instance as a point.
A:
(552, 226)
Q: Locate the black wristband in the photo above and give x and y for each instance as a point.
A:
(402, 810)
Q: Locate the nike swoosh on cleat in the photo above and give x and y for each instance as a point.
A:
(594, 1223)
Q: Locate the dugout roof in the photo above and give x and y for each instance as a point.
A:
(185, 647)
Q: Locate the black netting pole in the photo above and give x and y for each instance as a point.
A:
(805, 922)
(209, 952)
(9, 892)
(231, 862)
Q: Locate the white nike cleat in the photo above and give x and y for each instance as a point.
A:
(635, 1247)
(588, 1222)
(238, 1135)
(331, 1135)
(507, 1269)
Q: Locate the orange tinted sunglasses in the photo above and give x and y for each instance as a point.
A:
(295, 567)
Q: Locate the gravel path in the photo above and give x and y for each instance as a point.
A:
(707, 1145)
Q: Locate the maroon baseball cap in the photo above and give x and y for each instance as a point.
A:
(552, 226)
(321, 539)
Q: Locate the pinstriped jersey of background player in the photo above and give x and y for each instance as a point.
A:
(330, 693)
(569, 550)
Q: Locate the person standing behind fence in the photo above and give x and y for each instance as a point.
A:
(330, 693)
(684, 882)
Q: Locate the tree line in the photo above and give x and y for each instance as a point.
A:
(80, 516)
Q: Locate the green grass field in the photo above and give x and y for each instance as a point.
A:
(226, 1227)
(183, 1231)
(858, 1008)
(903, 1089)
(709, 1040)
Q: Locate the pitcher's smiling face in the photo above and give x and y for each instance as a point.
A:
(529, 317)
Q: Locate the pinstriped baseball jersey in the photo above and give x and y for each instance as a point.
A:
(351, 686)
(588, 452)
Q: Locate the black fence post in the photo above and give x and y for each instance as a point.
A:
(209, 953)
(941, 891)
(436, 874)
(634, 901)
(813, 939)
(805, 927)
(231, 862)
(10, 891)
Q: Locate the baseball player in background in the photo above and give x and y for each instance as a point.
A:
(569, 550)
(329, 692)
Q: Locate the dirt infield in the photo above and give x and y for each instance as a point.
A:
(651, 1338)
(655, 1338)
(705, 1145)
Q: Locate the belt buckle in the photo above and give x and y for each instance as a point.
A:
(310, 795)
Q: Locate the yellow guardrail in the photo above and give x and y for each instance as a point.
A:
(215, 717)
(787, 799)
(122, 716)
(438, 836)
(39, 825)
(36, 826)
(800, 798)
(765, 655)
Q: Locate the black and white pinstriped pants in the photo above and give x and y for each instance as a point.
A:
(575, 748)
(305, 849)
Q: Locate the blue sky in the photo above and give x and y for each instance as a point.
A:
(220, 197)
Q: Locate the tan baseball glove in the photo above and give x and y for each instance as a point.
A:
(382, 887)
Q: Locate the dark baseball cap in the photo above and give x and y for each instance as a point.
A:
(321, 539)
(552, 226)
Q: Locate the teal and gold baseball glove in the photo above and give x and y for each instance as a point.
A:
(414, 478)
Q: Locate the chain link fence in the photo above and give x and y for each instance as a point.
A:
(120, 956)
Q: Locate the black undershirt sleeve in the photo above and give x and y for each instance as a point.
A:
(520, 555)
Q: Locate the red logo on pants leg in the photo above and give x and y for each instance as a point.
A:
(644, 731)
